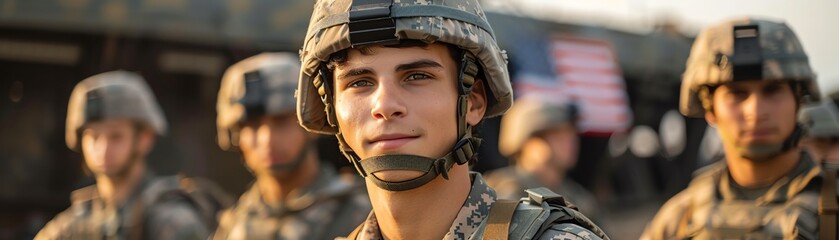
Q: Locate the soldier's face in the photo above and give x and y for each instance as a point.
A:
(113, 146)
(750, 113)
(564, 143)
(271, 143)
(401, 101)
(553, 150)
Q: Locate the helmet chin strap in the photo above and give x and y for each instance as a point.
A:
(464, 150)
(297, 161)
(764, 152)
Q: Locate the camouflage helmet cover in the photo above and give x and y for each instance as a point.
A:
(529, 116)
(461, 23)
(257, 86)
(110, 95)
(763, 50)
(822, 119)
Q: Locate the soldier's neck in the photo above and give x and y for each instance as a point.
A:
(277, 188)
(751, 174)
(406, 214)
(115, 190)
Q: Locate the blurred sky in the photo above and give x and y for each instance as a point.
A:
(815, 21)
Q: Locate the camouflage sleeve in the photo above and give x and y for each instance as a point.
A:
(226, 222)
(57, 227)
(666, 222)
(176, 220)
(567, 231)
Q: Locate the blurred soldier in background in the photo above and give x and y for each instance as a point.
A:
(748, 78)
(401, 84)
(295, 195)
(540, 139)
(822, 124)
(113, 119)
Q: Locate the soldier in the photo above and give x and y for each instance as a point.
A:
(748, 78)
(295, 196)
(113, 119)
(822, 124)
(402, 84)
(540, 138)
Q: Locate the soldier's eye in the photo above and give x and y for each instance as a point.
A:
(418, 76)
(360, 83)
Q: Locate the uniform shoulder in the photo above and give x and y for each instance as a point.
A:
(176, 219)
(60, 225)
(664, 223)
(567, 231)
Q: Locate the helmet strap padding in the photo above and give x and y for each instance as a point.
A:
(706, 95)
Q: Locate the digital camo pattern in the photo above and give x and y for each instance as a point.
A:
(329, 33)
(710, 62)
(470, 221)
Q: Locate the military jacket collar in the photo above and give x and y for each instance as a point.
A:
(472, 214)
(780, 191)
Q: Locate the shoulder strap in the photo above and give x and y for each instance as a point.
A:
(561, 211)
(498, 222)
(139, 214)
(828, 207)
(208, 197)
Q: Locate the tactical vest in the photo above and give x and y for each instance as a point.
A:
(195, 192)
(527, 218)
(805, 213)
(243, 222)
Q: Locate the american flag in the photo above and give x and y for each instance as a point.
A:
(581, 71)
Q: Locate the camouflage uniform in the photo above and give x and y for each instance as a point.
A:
(800, 205)
(159, 207)
(328, 208)
(470, 222)
(714, 207)
(337, 25)
(511, 183)
(263, 85)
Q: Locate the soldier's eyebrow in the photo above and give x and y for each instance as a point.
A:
(354, 72)
(424, 63)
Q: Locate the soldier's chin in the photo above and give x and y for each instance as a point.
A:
(282, 168)
(761, 152)
(397, 175)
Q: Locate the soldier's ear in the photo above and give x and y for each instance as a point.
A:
(145, 141)
(477, 103)
(711, 118)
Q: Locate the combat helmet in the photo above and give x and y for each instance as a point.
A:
(741, 50)
(257, 86)
(337, 25)
(110, 95)
(528, 117)
(822, 119)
